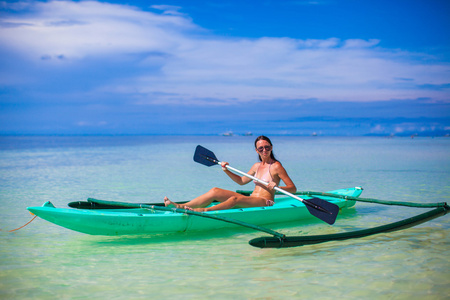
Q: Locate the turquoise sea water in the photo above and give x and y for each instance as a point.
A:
(44, 261)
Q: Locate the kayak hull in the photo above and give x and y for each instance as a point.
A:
(131, 221)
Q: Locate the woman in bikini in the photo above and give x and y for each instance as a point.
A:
(268, 169)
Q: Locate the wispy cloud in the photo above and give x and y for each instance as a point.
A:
(310, 2)
(169, 9)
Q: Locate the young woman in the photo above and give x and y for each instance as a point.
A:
(268, 169)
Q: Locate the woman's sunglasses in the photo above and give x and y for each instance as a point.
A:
(261, 149)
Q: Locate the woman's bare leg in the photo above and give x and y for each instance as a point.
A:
(235, 201)
(204, 200)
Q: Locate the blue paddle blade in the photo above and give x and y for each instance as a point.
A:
(205, 157)
(324, 210)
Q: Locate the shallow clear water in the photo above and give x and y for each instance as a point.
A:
(44, 261)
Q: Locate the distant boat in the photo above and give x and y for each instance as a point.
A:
(229, 133)
(314, 134)
(248, 134)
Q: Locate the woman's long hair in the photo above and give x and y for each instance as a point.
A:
(265, 138)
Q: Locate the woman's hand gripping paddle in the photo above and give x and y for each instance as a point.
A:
(319, 208)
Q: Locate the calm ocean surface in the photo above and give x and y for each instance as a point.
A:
(45, 261)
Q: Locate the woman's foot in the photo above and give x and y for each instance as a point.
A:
(200, 209)
(168, 203)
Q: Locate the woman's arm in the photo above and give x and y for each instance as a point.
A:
(241, 180)
(289, 184)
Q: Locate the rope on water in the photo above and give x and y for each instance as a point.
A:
(23, 225)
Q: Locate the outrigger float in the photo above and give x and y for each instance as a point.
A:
(100, 217)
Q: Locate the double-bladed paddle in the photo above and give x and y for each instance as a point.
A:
(319, 208)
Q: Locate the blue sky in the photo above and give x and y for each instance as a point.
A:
(334, 67)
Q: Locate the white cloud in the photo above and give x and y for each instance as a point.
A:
(80, 29)
(195, 66)
(169, 9)
(357, 43)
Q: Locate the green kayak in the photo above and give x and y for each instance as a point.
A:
(115, 220)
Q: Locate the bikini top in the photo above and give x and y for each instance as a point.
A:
(266, 177)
